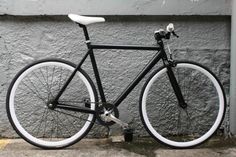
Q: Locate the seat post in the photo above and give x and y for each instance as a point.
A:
(85, 32)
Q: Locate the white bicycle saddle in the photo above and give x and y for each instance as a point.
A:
(85, 20)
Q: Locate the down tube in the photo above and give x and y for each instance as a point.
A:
(138, 78)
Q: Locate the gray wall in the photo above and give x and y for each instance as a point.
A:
(116, 7)
(204, 39)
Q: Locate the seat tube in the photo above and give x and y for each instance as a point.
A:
(94, 64)
(97, 76)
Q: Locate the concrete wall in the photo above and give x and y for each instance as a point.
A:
(204, 39)
(116, 7)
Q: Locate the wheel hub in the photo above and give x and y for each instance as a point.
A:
(183, 105)
(51, 105)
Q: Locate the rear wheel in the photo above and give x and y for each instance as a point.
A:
(33, 89)
(176, 126)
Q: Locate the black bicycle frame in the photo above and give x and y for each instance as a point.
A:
(138, 78)
(160, 54)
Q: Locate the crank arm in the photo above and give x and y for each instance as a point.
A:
(118, 121)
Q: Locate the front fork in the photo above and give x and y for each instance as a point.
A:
(169, 64)
(178, 93)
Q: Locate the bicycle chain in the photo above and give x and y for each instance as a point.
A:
(99, 110)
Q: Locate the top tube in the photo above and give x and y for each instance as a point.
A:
(125, 47)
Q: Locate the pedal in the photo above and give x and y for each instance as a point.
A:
(87, 103)
(128, 134)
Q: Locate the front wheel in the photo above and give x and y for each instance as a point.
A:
(32, 91)
(176, 126)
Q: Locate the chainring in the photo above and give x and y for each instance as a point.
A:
(100, 112)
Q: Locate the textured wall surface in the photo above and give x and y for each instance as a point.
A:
(25, 39)
(116, 7)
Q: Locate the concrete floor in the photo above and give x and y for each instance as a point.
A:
(107, 147)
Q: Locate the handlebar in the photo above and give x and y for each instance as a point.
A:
(162, 34)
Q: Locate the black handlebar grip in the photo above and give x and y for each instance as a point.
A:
(175, 34)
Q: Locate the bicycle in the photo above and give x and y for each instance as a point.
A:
(53, 103)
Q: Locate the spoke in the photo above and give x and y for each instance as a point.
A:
(45, 86)
(183, 88)
(165, 106)
(40, 122)
(46, 83)
(70, 122)
(60, 80)
(57, 125)
(46, 80)
(26, 99)
(29, 115)
(164, 92)
(52, 75)
(195, 89)
(178, 121)
(45, 123)
(70, 95)
(34, 87)
(192, 88)
(66, 77)
(64, 126)
(191, 81)
(201, 112)
(190, 127)
(54, 127)
(41, 98)
(76, 81)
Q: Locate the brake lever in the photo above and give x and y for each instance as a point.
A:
(175, 34)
